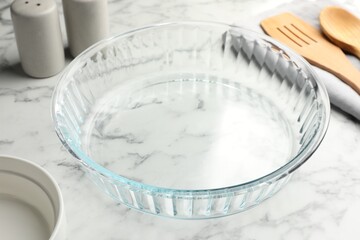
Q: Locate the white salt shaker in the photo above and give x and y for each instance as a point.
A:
(38, 37)
(86, 23)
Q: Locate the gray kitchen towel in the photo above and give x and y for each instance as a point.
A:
(340, 94)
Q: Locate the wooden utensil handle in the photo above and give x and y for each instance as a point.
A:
(347, 73)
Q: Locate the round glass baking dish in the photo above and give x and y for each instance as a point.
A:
(190, 119)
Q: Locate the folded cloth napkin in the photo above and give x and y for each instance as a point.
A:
(340, 94)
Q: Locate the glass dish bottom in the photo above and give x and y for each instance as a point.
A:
(189, 133)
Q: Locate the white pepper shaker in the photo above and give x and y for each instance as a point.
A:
(86, 23)
(38, 37)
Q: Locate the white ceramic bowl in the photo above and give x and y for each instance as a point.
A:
(31, 204)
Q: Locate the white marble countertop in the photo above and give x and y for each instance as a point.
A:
(322, 201)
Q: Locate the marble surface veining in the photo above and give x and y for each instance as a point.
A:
(322, 201)
(187, 134)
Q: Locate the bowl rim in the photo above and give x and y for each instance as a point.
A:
(59, 229)
(294, 163)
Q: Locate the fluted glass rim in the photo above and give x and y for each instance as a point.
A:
(275, 175)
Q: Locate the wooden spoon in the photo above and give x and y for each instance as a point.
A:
(308, 42)
(342, 28)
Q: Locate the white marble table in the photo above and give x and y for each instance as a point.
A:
(322, 201)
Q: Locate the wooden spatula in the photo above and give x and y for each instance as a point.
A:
(309, 42)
